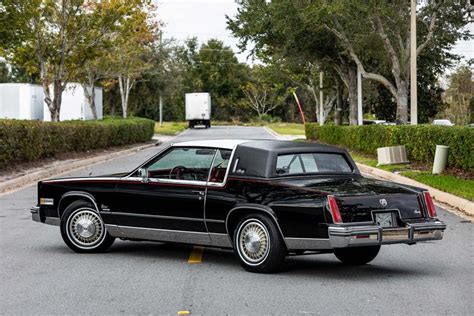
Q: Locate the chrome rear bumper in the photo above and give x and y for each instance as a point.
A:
(366, 235)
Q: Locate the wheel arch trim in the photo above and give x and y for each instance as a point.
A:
(254, 207)
(81, 194)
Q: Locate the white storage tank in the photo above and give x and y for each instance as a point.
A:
(21, 101)
(74, 105)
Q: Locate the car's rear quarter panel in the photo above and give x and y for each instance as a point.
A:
(299, 211)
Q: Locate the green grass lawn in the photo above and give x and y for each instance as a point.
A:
(444, 182)
(287, 128)
(170, 128)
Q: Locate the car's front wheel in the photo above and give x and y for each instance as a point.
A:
(258, 244)
(357, 255)
(83, 230)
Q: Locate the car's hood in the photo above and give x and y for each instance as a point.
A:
(351, 186)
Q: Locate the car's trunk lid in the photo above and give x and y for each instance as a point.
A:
(358, 198)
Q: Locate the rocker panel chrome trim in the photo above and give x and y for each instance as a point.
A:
(165, 235)
(307, 243)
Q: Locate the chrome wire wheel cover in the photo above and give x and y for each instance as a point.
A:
(253, 241)
(85, 228)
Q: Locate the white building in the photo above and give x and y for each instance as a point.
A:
(26, 101)
(21, 101)
(74, 105)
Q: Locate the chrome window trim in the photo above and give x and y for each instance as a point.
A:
(189, 182)
(81, 194)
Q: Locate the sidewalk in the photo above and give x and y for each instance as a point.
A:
(30, 176)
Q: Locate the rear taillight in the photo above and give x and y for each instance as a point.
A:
(429, 204)
(336, 215)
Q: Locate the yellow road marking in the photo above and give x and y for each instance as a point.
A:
(196, 255)
(184, 313)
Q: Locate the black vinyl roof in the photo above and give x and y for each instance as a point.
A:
(258, 158)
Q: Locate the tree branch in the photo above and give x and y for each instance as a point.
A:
(355, 58)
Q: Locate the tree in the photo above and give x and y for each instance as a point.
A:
(440, 25)
(57, 37)
(280, 31)
(131, 47)
(459, 95)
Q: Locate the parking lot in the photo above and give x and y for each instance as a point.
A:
(40, 275)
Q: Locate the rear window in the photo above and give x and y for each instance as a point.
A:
(312, 163)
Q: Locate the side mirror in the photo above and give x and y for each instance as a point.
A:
(143, 172)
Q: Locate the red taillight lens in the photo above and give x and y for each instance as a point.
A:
(429, 204)
(336, 215)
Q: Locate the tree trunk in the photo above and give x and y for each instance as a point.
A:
(402, 102)
(123, 96)
(352, 89)
(338, 112)
(90, 96)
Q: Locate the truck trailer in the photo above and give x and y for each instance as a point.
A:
(198, 109)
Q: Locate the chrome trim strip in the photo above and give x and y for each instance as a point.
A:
(166, 235)
(78, 193)
(220, 240)
(52, 221)
(83, 179)
(163, 217)
(307, 243)
(159, 234)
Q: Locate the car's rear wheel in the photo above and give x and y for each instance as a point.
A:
(357, 255)
(83, 230)
(258, 244)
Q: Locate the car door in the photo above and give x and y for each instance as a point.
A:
(169, 200)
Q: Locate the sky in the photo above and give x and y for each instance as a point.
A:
(205, 19)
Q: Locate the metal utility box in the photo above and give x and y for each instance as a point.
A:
(23, 101)
(74, 105)
(198, 109)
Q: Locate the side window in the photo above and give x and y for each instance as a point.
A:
(289, 164)
(220, 165)
(183, 164)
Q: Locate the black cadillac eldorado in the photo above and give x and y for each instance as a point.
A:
(265, 199)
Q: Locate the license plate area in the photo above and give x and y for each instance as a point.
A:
(385, 219)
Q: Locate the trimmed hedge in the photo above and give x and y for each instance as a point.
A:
(420, 141)
(22, 140)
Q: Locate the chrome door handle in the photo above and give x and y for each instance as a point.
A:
(201, 193)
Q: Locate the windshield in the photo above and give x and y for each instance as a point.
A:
(300, 163)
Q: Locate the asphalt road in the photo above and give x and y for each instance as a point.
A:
(40, 275)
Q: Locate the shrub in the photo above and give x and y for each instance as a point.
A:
(420, 141)
(22, 140)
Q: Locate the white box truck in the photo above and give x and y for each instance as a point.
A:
(74, 105)
(22, 101)
(198, 109)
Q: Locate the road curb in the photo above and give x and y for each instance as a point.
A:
(463, 205)
(281, 136)
(66, 166)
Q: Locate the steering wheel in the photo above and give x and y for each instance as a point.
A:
(178, 170)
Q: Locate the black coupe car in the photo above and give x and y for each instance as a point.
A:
(265, 199)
